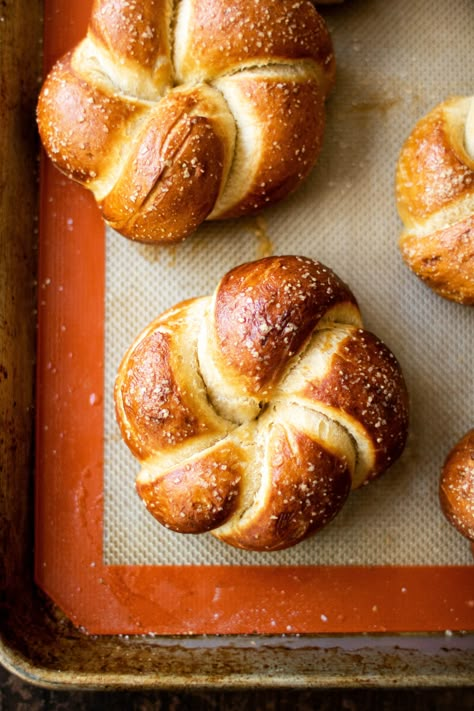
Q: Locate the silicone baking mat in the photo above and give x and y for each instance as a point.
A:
(389, 561)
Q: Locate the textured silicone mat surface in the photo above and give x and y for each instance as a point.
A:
(395, 61)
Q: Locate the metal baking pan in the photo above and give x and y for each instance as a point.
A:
(38, 641)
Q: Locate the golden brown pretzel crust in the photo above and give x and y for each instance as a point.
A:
(435, 198)
(173, 113)
(456, 489)
(254, 411)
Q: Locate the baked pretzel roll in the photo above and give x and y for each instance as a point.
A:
(172, 113)
(254, 411)
(456, 488)
(435, 197)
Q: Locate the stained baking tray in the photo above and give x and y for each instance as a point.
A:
(410, 625)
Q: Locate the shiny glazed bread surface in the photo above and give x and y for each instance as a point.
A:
(176, 112)
(435, 198)
(456, 489)
(254, 411)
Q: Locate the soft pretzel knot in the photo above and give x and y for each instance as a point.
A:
(176, 112)
(456, 486)
(435, 196)
(254, 411)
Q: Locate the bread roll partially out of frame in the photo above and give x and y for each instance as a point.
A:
(456, 489)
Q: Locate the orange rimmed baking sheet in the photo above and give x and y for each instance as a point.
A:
(106, 599)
